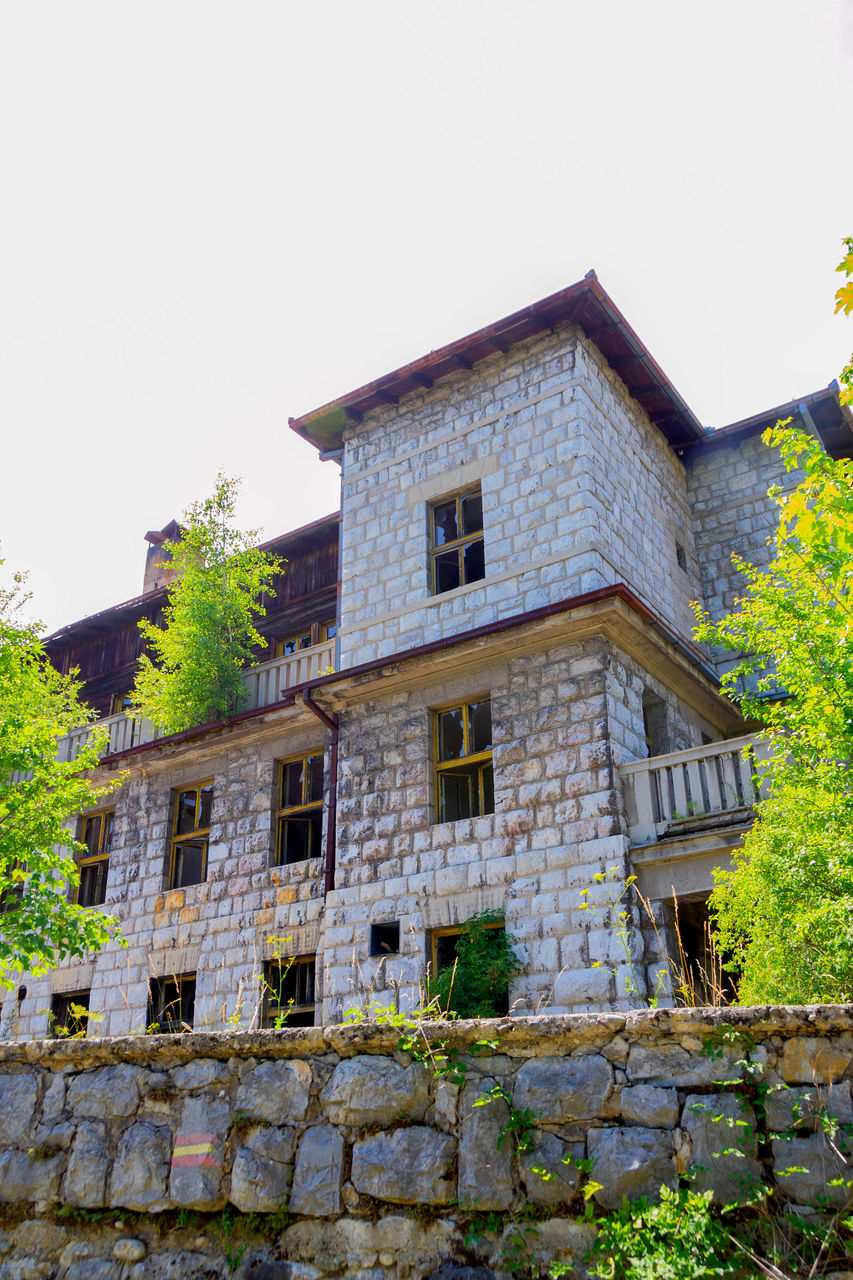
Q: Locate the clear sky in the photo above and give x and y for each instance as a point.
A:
(214, 216)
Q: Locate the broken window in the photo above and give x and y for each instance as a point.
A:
(290, 992)
(94, 864)
(292, 644)
(69, 1014)
(456, 532)
(171, 1003)
(442, 954)
(190, 835)
(463, 752)
(385, 938)
(300, 809)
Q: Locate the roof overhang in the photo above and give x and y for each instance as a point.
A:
(821, 410)
(585, 304)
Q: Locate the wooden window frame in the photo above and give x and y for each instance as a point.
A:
(459, 544)
(60, 1015)
(284, 812)
(304, 968)
(198, 833)
(95, 859)
(451, 931)
(315, 632)
(479, 763)
(157, 1007)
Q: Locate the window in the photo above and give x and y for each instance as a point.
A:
(463, 748)
(328, 630)
(456, 532)
(442, 954)
(681, 556)
(300, 809)
(121, 703)
(289, 992)
(385, 939)
(171, 1003)
(190, 834)
(94, 864)
(69, 1014)
(316, 633)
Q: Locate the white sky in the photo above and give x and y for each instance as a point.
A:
(213, 216)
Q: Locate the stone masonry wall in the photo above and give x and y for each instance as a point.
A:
(579, 490)
(335, 1152)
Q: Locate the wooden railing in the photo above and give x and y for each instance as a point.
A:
(700, 782)
(266, 683)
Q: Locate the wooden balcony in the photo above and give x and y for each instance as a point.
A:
(702, 786)
(267, 683)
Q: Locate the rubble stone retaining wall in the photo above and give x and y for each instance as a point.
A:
(333, 1152)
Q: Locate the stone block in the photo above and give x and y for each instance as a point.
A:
(581, 987)
(17, 1104)
(631, 1162)
(23, 1177)
(317, 1177)
(106, 1092)
(141, 1170)
(548, 1169)
(202, 1073)
(801, 1106)
(485, 1169)
(375, 1090)
(274, 1091)
(562, 1090)
(648, 1105)
(263, 1169)
(88, 1165)
(815, 1059)
(819, 1164)
(670, 1065)
(200, 1140)
(406, 1166)
(723, 1145)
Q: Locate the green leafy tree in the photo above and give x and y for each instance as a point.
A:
(39, 925)
(784, 913)
(476, 985)
(191, 673)
(844, 302)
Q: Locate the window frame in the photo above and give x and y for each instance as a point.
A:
(458, 544)
(100, 858)
(60, 1017)
(185, 837)
(181, 983)
(283, 813)
(481, 761)
(315, 632)
(271, 1008)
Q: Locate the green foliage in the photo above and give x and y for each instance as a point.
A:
(675, 1239)
(193, 674)
(784, 914)
(39, 927)
(476, 984)
(844, 302)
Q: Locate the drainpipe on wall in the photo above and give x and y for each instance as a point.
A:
(330, 720)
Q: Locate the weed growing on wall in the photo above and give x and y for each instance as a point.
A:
(476, 984)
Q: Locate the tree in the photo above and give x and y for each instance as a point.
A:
(39, 925)
(209, 633)
(476, 985)
(844, 302)
(784, 913)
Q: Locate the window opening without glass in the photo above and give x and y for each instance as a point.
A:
(442, 952)
(289, 992)
(190, 834)
(171, 1003)
(300, 809)
(456, 533)
(94, 864)
(69, 1014)
(385, 938)
(463, 761)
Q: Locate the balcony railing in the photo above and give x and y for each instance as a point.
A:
(699, 783)
(266, 683)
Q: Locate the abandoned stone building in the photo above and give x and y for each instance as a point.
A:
(480, 692)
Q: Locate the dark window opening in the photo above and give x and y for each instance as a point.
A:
(190, 835)
(655, 727)
(171, 1004)
(94, 865)
(681, 556)
(69, 1014)
(699, 966)
(456, 540)
(300, 809)
(465, 786)
(442, 954)
(385, 938)
(290, 992)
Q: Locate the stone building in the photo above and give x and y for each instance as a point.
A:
(480, 692)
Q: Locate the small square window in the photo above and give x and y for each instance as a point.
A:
(171, 1003)
(456, 541)
(290, 992)
(300, 809)
(385, 939)
(465, 785)
(69, 1014)
(190, 835)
